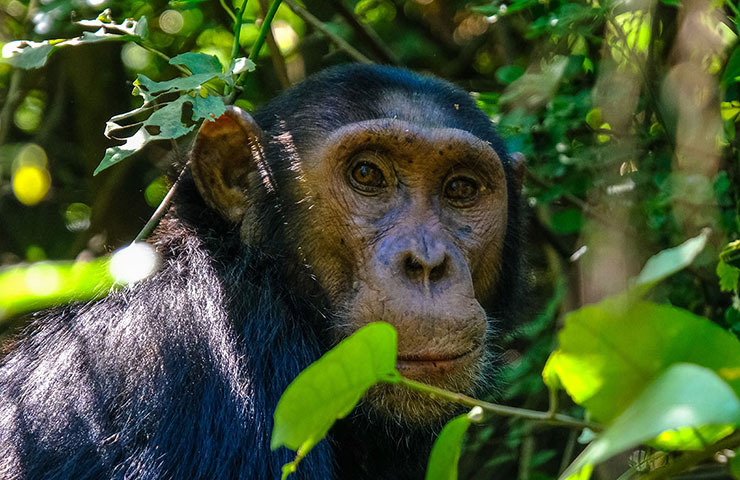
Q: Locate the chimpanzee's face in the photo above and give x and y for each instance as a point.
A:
(397, 220)
(406, 225)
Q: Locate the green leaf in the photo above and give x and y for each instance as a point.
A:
(593, 118)
(732, 70)
(730, 254)
(198, 63)
(27, 54)
(44, 284)
(169, 121)
(735, 464)
(508, 74)
(446, 450)
(728, 277)
(672, 260)
(684, 396)
(567, 221)
(210, 107)
(181, 84)
(239, 65)
(133, 144)
(610, 351)
(331, 387)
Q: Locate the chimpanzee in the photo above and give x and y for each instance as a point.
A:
(365, 193)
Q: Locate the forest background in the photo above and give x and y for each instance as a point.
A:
(626, 112)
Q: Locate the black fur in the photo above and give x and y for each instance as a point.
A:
(177, 377)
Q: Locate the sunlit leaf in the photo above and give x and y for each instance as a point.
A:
(684, 396)
(610, 351)
(331, 387)
(730, 254)
(27, 54)
(672, 260)
(32, 287)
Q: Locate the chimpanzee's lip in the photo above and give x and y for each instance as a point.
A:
(432, 360)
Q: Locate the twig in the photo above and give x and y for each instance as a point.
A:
(526, 451)
(278, 61)
(366, 34)
(238, 20)
(164, 205)
(266, 26)
(687, 460)
(534, 415)
(341, 43)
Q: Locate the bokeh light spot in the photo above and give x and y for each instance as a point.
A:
(285, 36)
(77, 217)
(171, 21)
(28, 115)
(133, 263)
(135, 57)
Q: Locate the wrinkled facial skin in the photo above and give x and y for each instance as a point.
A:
(410, 223)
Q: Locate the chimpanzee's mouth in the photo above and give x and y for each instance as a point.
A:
(436, 364)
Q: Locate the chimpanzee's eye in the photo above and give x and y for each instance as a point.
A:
(461, 191)
(367, 177)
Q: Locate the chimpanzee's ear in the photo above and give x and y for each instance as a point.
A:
(225, 151)
(517, 168)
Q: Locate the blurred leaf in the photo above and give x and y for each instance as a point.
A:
(593, 118)
(331, 386)
(735, 464)
(610, 351)
(732, 69)
(672, 260)
(27, 54)
(44, 284)
(567, 221)
(728, 277)
(730, 254)
(445, 454)
(684, 396)
(509, 74)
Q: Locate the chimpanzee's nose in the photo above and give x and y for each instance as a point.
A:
(427, 267)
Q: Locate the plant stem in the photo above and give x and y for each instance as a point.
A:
(278, 61)
(238, 29)
(164, 205)
(266, 24)
(537, 416)
(228, 10)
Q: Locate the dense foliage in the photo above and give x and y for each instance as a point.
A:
(626, 112)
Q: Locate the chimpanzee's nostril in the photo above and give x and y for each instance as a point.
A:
(439, 271)
(414, 269)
